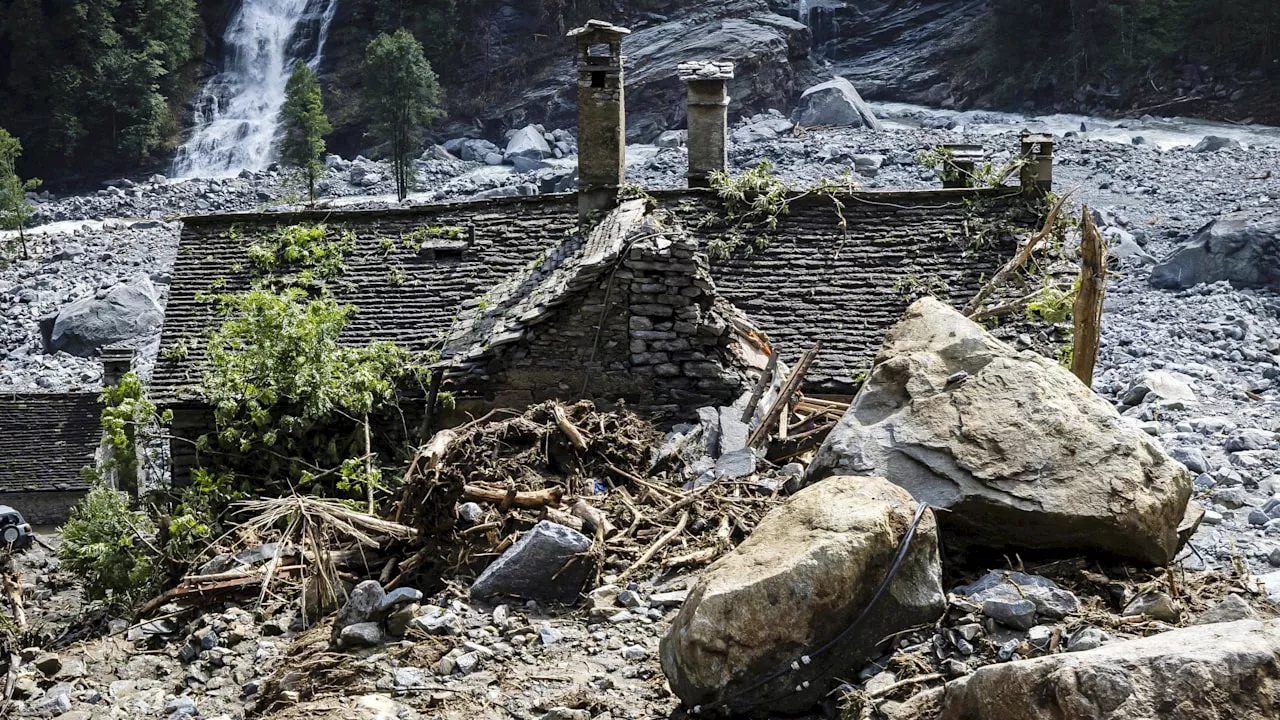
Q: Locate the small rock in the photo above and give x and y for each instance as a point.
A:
(1231, 608)
(49, 664)
(467, 662)
(364, 634)
(1017, 614)
(1085, 639)
(1157, 606)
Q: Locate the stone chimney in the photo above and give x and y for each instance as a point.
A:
(708, 118)
(601, 116)
(117, 361)
(1037, 172)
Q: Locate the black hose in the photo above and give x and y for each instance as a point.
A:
(903, 545)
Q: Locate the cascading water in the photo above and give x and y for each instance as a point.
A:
(237, 111)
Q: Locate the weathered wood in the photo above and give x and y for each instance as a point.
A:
(783, 400)
(1088, 305)
(593, 517)
(762, 384)
(531, 500)
(570, 430)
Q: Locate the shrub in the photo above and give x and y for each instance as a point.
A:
(105, 544)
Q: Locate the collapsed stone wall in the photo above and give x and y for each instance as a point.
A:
(642, 322)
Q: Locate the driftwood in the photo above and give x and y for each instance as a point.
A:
(510, 498)
(570, 430)
(197, 589)
(1003, 274)
(593, 518)
(783, 400)
(762, 384)
(1088, 305)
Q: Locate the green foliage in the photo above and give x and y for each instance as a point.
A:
(309, 247)
(754, 204)
(403, 95)
(418, 237)
(305, 125)
(987, 175)
(104, 544)
(14, 207)
(1052, 304)
(277, 380)
(916, 284)
(94, 79)
(128, 419)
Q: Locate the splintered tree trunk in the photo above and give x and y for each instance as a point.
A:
(1088, 306)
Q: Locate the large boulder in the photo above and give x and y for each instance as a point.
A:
(800, 581)
(548, 564)
(128, 310)
(529, 143)
(1223, 671)
(835, 102)
(1019, 451)
(1242, 248)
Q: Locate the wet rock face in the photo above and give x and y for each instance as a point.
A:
(1242, 248)
(1020, 451)
(807, 572)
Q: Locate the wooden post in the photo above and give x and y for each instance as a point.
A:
(1088, 306)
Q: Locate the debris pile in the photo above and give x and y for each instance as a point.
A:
(529, 495)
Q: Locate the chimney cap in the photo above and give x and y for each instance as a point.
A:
(598, 26)
(705, 70)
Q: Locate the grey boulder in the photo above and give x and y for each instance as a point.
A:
(1242, 248)
(360, 608)
(807, 572)
(1044, 594)
(126, 311)
(546, 564)
(1211, 672)
(527, 142)
(835, 102)
(1019, 450)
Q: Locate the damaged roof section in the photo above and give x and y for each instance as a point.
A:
(633, 314)
(412, 296)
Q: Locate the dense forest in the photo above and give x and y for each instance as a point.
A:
(95, 82)
(1125, 42)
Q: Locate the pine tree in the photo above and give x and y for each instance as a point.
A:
(14, 208)
(403, 95)
(305, 125)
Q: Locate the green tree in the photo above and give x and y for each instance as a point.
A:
(14, 208)
(403, 95)
(305, 125)
(107, 545)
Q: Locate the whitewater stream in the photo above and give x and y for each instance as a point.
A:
(237, 110)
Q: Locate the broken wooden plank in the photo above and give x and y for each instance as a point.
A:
(762, 384)
(783, 400)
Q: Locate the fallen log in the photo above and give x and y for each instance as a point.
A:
(530, 500)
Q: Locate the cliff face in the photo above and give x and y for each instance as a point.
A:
(512, 63)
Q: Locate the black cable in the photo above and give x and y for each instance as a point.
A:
(795, 665)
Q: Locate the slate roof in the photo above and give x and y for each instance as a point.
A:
(814, 280)
(45, 440)
(847, 286)
(416, 309)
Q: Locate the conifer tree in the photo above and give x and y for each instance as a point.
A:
(403, 95)
(305, 125)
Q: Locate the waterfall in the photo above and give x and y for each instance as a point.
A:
(237, 110)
